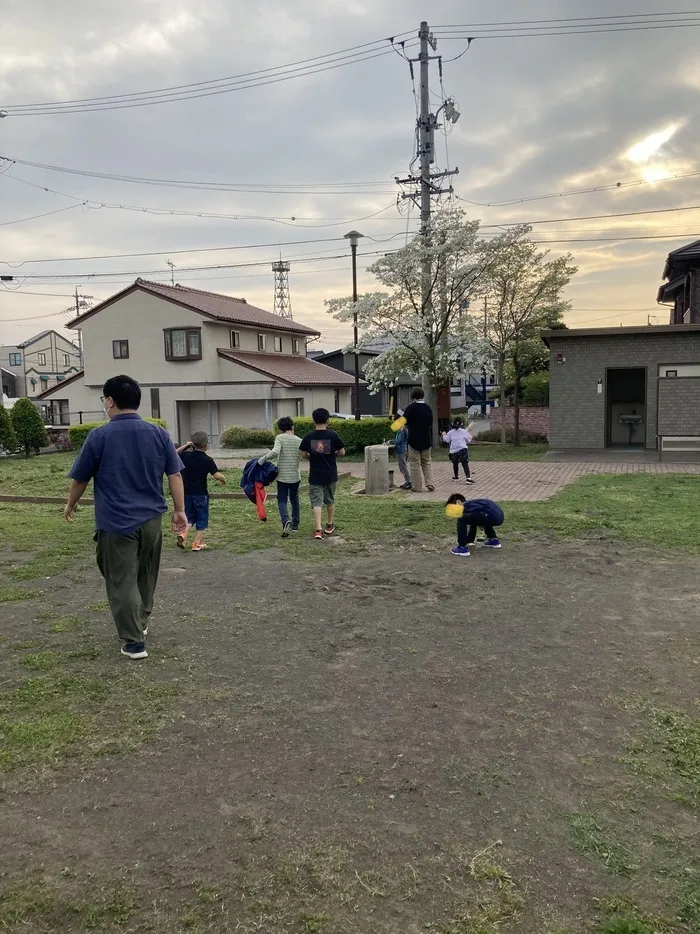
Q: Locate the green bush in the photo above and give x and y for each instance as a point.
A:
(235, 436)
(356, 435)
(28, 426)
(526, 437)
(8, 439)
(78, 433)
(536, 389)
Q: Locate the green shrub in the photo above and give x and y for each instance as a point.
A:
(536, 389)
(236, 436)
(28, 426)
(78, 433)
(526, 437)
(356, 435)
(8, 439)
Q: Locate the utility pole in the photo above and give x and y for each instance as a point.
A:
(425, 182)
(486, 318)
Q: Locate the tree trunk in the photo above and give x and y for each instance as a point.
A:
(516, 398)
(502, 388)
(431, 397)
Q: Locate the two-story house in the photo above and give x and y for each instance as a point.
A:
(39, 363)
(204, 361)
(682, 288)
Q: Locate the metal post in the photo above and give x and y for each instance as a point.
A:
(483, 392)
(353, 237)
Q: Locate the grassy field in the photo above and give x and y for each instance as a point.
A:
(361, 736)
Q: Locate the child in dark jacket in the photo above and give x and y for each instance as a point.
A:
(472, 515)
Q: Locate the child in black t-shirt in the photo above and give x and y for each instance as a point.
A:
(198, 467)
(321, 447)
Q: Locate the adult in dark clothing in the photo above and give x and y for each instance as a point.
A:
(127, 459)
(419, 422)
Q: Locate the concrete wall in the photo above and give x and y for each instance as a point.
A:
(577, 410)
(679, 406)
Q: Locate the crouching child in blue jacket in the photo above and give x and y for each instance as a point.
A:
(471, 515)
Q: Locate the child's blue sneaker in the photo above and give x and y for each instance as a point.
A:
(492, 543)
(460, 551)
(134, 650)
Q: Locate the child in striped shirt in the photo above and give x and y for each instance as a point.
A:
(285, 453)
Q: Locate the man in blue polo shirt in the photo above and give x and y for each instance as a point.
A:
(127, 459)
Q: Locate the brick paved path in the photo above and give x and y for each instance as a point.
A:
(527, 480)
(523, 481)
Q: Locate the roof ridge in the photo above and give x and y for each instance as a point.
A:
(188, 288)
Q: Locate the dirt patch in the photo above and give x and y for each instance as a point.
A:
(402, 743)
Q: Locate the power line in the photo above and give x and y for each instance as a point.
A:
(34, 217)
(315, 188)
(210, 82)
(95, 204)
(56, 277)
(570, 32)
(214, 89)
(576, 191)
(570, 19)
(592, 217)
(213, 249)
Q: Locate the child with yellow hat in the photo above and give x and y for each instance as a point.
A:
(471, 515)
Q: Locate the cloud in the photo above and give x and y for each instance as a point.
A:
(539, 116)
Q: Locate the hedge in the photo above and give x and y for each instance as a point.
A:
(78, 433)
(235, 436)
(356, 435)
(526, 437)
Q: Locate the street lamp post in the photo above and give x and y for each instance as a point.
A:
(353, 237)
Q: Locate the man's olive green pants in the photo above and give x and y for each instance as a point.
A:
(130, 565)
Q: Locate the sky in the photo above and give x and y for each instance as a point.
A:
(540, 116)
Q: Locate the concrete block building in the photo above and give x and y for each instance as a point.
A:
(626, 387)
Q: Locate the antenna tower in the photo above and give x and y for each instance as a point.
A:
(282, 304)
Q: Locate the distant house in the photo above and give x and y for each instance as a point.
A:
(371, 403)
(682, 288)
(204, 361)
(40, 363)
(9, 383)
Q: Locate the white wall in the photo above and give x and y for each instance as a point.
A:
(141, 319)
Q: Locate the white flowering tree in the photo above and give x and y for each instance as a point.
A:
(523, 290)
(433, 335)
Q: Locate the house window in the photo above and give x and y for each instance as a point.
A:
(235, 340)
(278, 344)
(262, 341)
(66, 359)
(296, 345)
(155, 403)
(336, 401)
(15, 359)
(60, 377)
(300, 408)
(120, 350)
(183, 344)
(42, 359)
(44, 381)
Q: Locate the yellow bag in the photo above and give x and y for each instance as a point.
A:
(454, 510)
(398, 424)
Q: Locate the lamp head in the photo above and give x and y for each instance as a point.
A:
(353, 237)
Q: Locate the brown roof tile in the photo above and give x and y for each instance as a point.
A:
(295, 371)
(211, 304)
